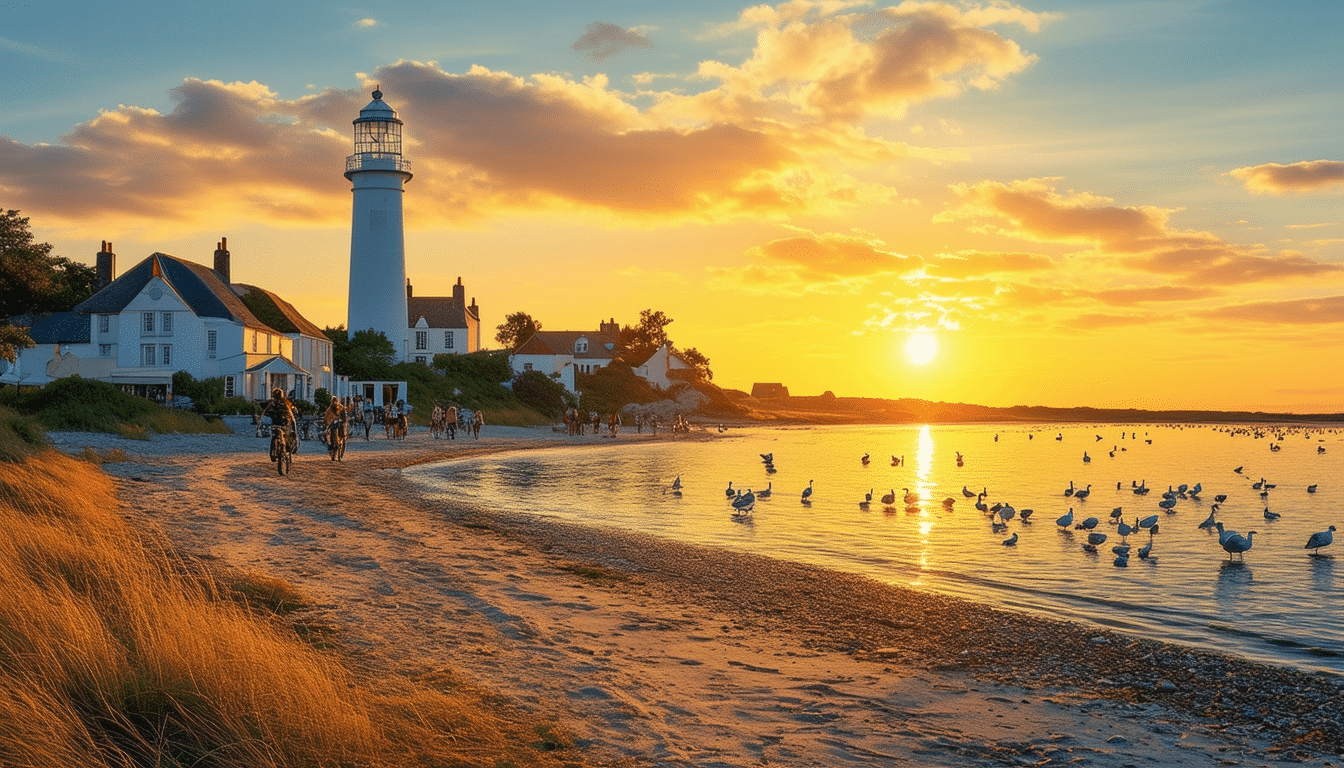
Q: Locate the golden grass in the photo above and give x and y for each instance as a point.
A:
(115, 652)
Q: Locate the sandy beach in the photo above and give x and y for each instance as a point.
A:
(654, 653)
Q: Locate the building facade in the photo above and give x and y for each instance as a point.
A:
(166, 315)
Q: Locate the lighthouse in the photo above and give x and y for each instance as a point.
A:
(378, 175)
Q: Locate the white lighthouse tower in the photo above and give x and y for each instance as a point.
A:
(378, 174)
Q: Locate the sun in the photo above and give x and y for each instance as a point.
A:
(921, 347)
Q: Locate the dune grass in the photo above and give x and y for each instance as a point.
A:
(85, 405)
(115, 651)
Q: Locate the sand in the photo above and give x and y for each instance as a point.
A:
(654, 653)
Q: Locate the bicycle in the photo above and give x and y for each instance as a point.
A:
(335, 438)
(282, 449)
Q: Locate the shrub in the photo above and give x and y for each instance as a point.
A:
(84, 405)
(539, 392)
(322, 398)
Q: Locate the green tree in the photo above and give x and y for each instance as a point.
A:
(699, 364)
(34, 282)
(366, 356)
(516, 329)
(541, 393)
(31, 279)
(639, 341)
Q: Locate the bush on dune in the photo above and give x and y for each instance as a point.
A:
(85, 405)
(116, 652)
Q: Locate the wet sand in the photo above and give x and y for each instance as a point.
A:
(655, 653)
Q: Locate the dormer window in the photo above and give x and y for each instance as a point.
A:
(581, 346)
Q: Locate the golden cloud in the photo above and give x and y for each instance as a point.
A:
(1314, 311)
(1140, 236)
(1305, 176)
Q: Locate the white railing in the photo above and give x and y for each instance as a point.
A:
(377, 161)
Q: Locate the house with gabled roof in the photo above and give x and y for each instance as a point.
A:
(167, 314)
(441, 325)
(561, 354)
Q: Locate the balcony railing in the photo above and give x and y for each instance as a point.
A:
(377, 161)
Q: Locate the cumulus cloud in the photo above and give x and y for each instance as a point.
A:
(1139, 237)
(1306, 176)
(814, 59)
(832, 255)
(602, 40)
(366, 23)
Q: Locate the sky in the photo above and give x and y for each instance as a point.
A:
(1064, 203)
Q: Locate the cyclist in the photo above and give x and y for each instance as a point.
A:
(281, 412)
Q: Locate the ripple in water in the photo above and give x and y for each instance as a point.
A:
(1278, 603)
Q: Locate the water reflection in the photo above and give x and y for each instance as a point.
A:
(1233, 585)
(1323, 572)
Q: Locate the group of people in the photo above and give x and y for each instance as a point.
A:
(280, 411)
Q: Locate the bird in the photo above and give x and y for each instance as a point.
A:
(1069, 491)
(910, 498)
(1124, 529)
(1088, 524)
(1011, 541)
(1086, 459)
(1208, 521)
(1321, 539)
(807, 492)
(1096, 539)
(1121, 549)
(1236, 544)
(729, 491)
(768, 458)
(1145, 550)
(1121, 561)
(1083, 494)
(1220, 498)
(765, 494)
(744, 503)
(1065, 520)
(1272, 515)
(867, 499)
(1147, 522)
(865, 459)
(1026, 514)
(889, 498)
(967, 492)
(676, 484)
(1006, 512)
(1311, 488)
(1116, 513)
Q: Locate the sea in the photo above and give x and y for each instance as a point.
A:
(1276, 603)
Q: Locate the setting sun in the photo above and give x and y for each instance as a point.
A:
(921, 347)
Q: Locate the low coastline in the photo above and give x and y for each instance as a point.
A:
(525, 604)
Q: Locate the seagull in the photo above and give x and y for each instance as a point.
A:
(1065, 520)
(807, 492)
(1321, 539)
(1223, 533)
(1011, 541)
(1237, 544)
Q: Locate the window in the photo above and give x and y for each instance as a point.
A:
(422, 339)
(581, 346)
(447, 339)
(104, 323)
(104, 350)
(527, 366)
(167, 353)
(167, 326)
(421, 359)
(147, 355)
(211, 343)
(148, 323)
(254, 341)
(228, 386)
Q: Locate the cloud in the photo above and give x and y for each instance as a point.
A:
(602, 40)
(833, 255)
(968, 264)
(1301, 177)
(1327, 309)
(1136, 237)
(812, 59)
(366, 23)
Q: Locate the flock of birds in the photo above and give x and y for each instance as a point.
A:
(1000, 513)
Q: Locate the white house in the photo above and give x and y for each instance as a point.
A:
(441, 325)
(166, 315)
(561, 354)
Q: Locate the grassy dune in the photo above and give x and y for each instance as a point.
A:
(115, 651)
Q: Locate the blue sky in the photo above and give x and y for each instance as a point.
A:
(1022, 181)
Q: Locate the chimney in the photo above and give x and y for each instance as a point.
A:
(106, 266)
(408, 287)
(222, 259)
(459, 292)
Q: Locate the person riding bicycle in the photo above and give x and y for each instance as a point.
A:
(281, 412)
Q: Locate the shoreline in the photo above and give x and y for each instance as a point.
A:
(637, 636)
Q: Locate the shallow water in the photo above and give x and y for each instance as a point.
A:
(1276, 603)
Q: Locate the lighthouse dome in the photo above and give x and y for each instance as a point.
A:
(378, 111)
